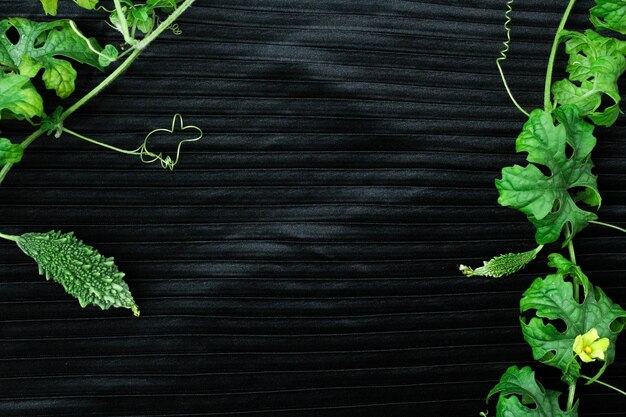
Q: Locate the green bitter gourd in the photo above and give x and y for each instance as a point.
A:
(83, 272)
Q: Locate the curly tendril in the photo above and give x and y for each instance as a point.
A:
(174, 27)
(167, 162)
(147, 156)
(176, 30)
(503, 55)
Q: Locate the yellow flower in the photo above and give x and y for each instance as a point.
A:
(590, 347)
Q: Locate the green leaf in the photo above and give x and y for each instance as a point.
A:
(518, 383)
(167, 6)
(18, 97)
(83, 272)
(39, 46)
(51, 124)
(552, 298)
(609, 14)
(87, 4)
(596, 62)
(50, 6)
(502, 265)
(108, 55)
(9, 152)
(547, 200)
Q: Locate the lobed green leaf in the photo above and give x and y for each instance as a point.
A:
(39, 47)
(596, 62)
(609, 14)
(522, 396)
(552, 299)
(547, 200)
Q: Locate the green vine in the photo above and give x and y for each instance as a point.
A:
(51, 46)
(560, 138)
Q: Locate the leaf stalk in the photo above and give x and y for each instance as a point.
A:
(612, 226)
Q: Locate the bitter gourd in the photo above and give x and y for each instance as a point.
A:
(83, 272)
(502, 265)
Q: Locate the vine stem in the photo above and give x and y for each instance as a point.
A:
(570, 396)
(604, 384)
(612, 226)
(572, 256)
(95, 142)
(555, 44)
(9, 237)
(138, 48)
(123, 23)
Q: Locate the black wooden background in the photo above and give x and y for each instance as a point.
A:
(302, 259)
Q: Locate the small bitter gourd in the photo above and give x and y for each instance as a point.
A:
(502, 265)
(83, 272)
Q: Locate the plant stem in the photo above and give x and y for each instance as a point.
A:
(104, 84)
(508, 90)
(572, 256)
(95, 142)
(9, 237)
(570, 396)
(604, 384)
(123, 23)
(555, 44)
(124, 65)
(108, 80)
(608, 225)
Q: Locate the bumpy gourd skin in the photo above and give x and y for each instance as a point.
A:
(83, 272)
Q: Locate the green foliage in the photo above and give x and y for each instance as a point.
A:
(87, 4)
(39, 46)
(547, 200)
(502, 265)
(50, 6)
(596, 63)
(9, 152)
(83, 272)
(51, 124)
(142, 17)
(552, 298)
(522, 396)
(609, 14)
(18, 97)
(563, 331)
(108, 55)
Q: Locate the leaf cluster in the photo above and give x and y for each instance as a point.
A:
(41, 48)
(142, 17)
(556, 190)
